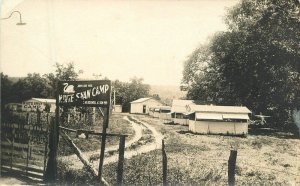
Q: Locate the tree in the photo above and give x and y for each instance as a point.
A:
(127, 92)
(6, 86)
(34, 85)
(62, 73)
(255, 63)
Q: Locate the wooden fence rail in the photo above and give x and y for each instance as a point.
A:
(23, 149)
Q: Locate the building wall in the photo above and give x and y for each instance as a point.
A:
(138, 107)
(165, 116)
(213, 127)
(181, 121)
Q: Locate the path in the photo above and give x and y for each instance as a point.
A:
(128, 153)
(143, 149)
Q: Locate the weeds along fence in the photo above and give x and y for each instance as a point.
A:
(165, 167)
(79, 141)
(24, 141)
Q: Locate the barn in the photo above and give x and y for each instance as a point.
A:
(209, 119)
(38, 103)
(179, 110)
(142, 105)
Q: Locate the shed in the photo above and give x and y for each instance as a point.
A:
(39, 103)
(179, 109)
(208, 119)
(142, 105)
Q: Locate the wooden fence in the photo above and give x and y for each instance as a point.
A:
(24, 145)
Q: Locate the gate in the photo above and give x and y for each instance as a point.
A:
(24, 141)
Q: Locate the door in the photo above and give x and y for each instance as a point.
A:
(144, 109)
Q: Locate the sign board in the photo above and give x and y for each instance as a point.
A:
(84, 93)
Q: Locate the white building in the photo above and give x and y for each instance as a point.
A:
(142, 105)
(230, 120)
(179, 111)
(38, 103)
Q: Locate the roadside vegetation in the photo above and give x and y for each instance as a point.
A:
(117, 125)
(202, 159)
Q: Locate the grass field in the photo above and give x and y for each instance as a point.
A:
(271, 159)
(117, 125)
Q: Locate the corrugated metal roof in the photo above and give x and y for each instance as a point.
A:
(43, 100)
(219, 109)
(180, 106)
(141, 100)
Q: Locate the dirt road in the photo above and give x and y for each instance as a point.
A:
(143, 149)
(138, 128)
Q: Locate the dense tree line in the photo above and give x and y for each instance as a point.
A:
(255, 63)
(44, 86)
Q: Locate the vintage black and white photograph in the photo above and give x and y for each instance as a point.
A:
(141, 92)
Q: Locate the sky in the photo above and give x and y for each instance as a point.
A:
(117, 39)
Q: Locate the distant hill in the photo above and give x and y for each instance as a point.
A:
(167, 92)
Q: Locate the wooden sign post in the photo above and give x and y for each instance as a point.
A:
(81, 94)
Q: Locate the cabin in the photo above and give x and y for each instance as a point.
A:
(179, 111)
(142, 105)
(40, 104)
(228, 120)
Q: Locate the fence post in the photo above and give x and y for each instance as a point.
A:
(103, 141)
(51, 169)
(165, 164)
(231, 167)
(121, 160)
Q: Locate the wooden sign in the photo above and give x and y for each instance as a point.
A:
(84, 93)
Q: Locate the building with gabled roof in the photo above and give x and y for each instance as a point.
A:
(142, 105)
(179, 110)
(211, 119)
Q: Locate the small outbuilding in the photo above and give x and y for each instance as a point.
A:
(41, 104)
(142, 105)
(229, 120)
(179, 111)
